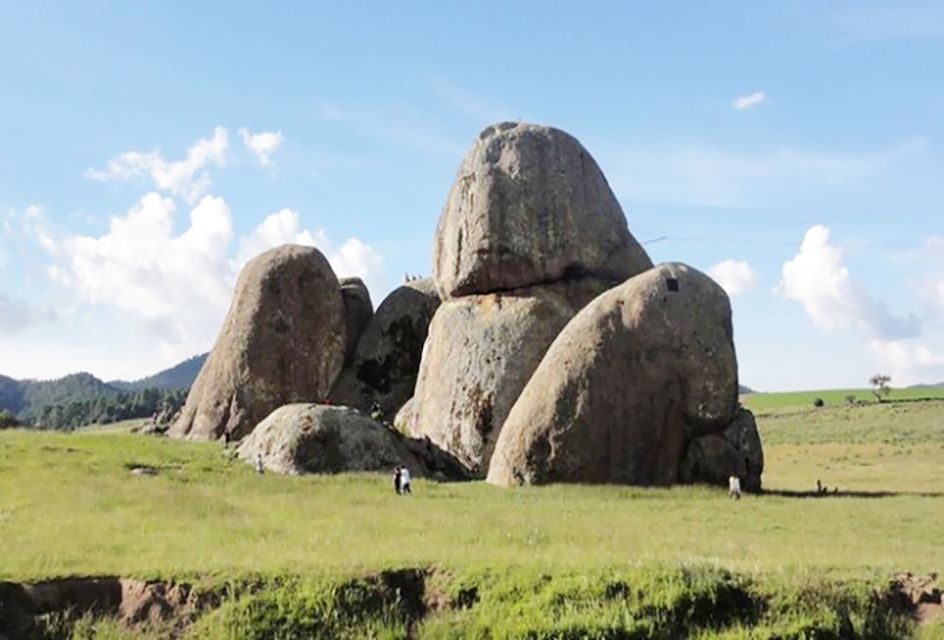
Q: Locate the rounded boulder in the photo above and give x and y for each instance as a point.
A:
(386, 361)
(281, 342)
(312, 438)
(530, 206)
(624, 384)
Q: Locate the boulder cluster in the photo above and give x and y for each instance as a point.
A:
(546, 347)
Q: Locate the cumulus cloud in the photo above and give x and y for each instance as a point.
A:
(175, 284)
(187, 178)
(908, 363)
(262, 144)
(353, 258)
(178, 285)
(734, 276)
(818, 279)
(750, 101)
(17, 314)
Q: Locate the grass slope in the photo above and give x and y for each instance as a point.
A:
(71, 506)
(766, 402)
(541, 562)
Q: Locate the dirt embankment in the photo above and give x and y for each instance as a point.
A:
(30, 610)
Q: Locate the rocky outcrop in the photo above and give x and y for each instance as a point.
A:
(632, 378)
(736, 450)
(530, 233)
(282, 341)
(311, 438)
(480, 353)
(530, 205)
(358, 310)
(387, 359)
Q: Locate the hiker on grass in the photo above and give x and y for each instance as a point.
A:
(397, 480)
(404, 480)
(734, 487)
(260, 469)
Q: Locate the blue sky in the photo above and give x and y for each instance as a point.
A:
(793, 150)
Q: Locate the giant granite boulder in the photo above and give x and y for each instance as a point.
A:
(358, 310)
(385, 363)
(481, 351)
(282, 341)
(529, 234)
(637, 374)
(312, 438)
(528, 206)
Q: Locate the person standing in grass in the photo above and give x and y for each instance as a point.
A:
(734, 487)
(404, 481)
(260, 469)
(397, 480)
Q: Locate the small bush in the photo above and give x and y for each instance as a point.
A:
(818, 402)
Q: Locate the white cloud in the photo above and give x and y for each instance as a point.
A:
(282, 227)
(17, 314)
(178, 286)
(186, 178)
(353, 258)
(749, 101)
(908, 363)
(262, 144)
(734, 276)
(818, 279)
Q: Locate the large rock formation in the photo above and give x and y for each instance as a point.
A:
(713, 458)
(481, 351)
(385, 364)
(358, 310)
(311, 438)
(529, 234)
(640, 371)
(282, 341)
(528, 206)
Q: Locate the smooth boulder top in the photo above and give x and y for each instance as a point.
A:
(529, 206)
(282, 341)
(630, 380)
(386, 361)
(311, 438)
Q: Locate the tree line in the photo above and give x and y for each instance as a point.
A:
(103, 409)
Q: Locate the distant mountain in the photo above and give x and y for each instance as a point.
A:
(180, 376)
(81, 398)
(742, 390)
(939, 385)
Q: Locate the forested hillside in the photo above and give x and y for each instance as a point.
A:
(81, 398)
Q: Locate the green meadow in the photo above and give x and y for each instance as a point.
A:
(541, 560)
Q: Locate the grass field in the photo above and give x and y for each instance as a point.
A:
(69, 505)
(767, 402)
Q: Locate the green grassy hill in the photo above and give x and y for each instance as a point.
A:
(539, 559)
(764, 402)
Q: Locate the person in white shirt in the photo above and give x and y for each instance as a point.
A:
(734, 487)
(260, 468)
(404, 480)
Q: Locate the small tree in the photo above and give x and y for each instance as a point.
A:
(851, 400)
(8, 420)
(879, 383)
